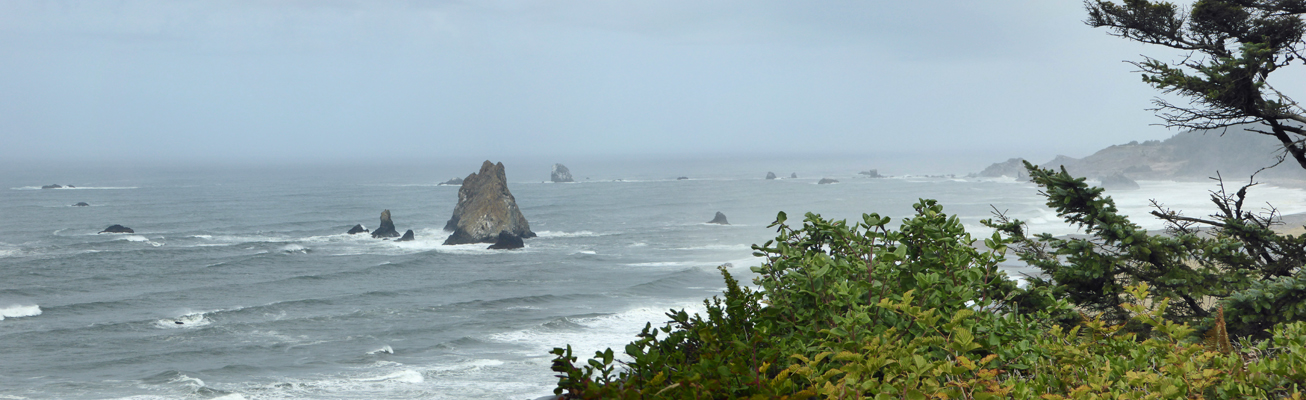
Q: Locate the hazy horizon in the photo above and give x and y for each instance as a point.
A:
(948, 86)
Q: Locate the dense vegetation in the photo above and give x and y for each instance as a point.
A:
(861, 310)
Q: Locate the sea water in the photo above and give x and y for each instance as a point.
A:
(240, 283)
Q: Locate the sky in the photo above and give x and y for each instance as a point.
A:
(311, 81)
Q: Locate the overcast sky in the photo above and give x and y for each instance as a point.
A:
(323, 80)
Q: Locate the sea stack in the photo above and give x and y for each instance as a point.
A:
(117, 229)
(387, 228)
(485, 209)
(770, 175)
(793, 175)
(408, 237)
(357, 229)
(719, 219)
(560, 174)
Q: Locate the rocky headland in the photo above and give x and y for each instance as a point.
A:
(485, 209)
(1187, 156)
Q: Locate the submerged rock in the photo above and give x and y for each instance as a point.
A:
(81, 204)
(507, 241)
(485, 209)
(770, 175)
(117, 229)
(719, 219)
(357, 229)
(453, 182)
(560, 174)
(387, 228)
(826, 181)
(408, 236)
(1118, 181)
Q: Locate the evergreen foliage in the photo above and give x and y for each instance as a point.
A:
(864, 311)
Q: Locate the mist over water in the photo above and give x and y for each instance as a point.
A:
(239, 283)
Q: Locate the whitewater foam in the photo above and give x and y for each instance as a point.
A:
(19, 311)
(187, 320)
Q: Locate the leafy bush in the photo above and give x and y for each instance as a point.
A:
(863, 311)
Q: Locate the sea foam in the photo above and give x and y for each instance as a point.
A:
(18, 311)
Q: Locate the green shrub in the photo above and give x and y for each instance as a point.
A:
(863, 311)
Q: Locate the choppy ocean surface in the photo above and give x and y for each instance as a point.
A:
(241, 283)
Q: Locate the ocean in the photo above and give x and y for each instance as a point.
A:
(240, 282)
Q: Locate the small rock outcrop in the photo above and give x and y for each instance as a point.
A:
(826, 181)
(871, 173)
(485, 209)
(453, 182)
(1118, 181)
(81, 204)
(560, 174)
(682, 178)
(54, 186)
(770, 175)
(387, 228)
(793, 175)
(408, 237)
(357, 229)
(117, 229)
(719, 219)
(507, 241)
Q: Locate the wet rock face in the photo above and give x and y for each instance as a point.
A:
(507, 241)
(486, 208)
(117, 229)
(561, 174)
(719, 219)
(408, 236)
(357, 229)
(387, 228)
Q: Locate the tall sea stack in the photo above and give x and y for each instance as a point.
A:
(486, 208)
(387, 228)
(561, 174)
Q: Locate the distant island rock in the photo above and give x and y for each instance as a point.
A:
(1118, 181)
(871, 173)
(507, 241)
(387, 228)
(58, 186)
(682, 178)
(486, 209)
(81, 204)
(117, 229)
(826, 181)
(793, 175)
(357, 229)
(453, 182)
(719, 219)
(770, 175)
(1013, 167)
(408, 236)
(560, 174)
